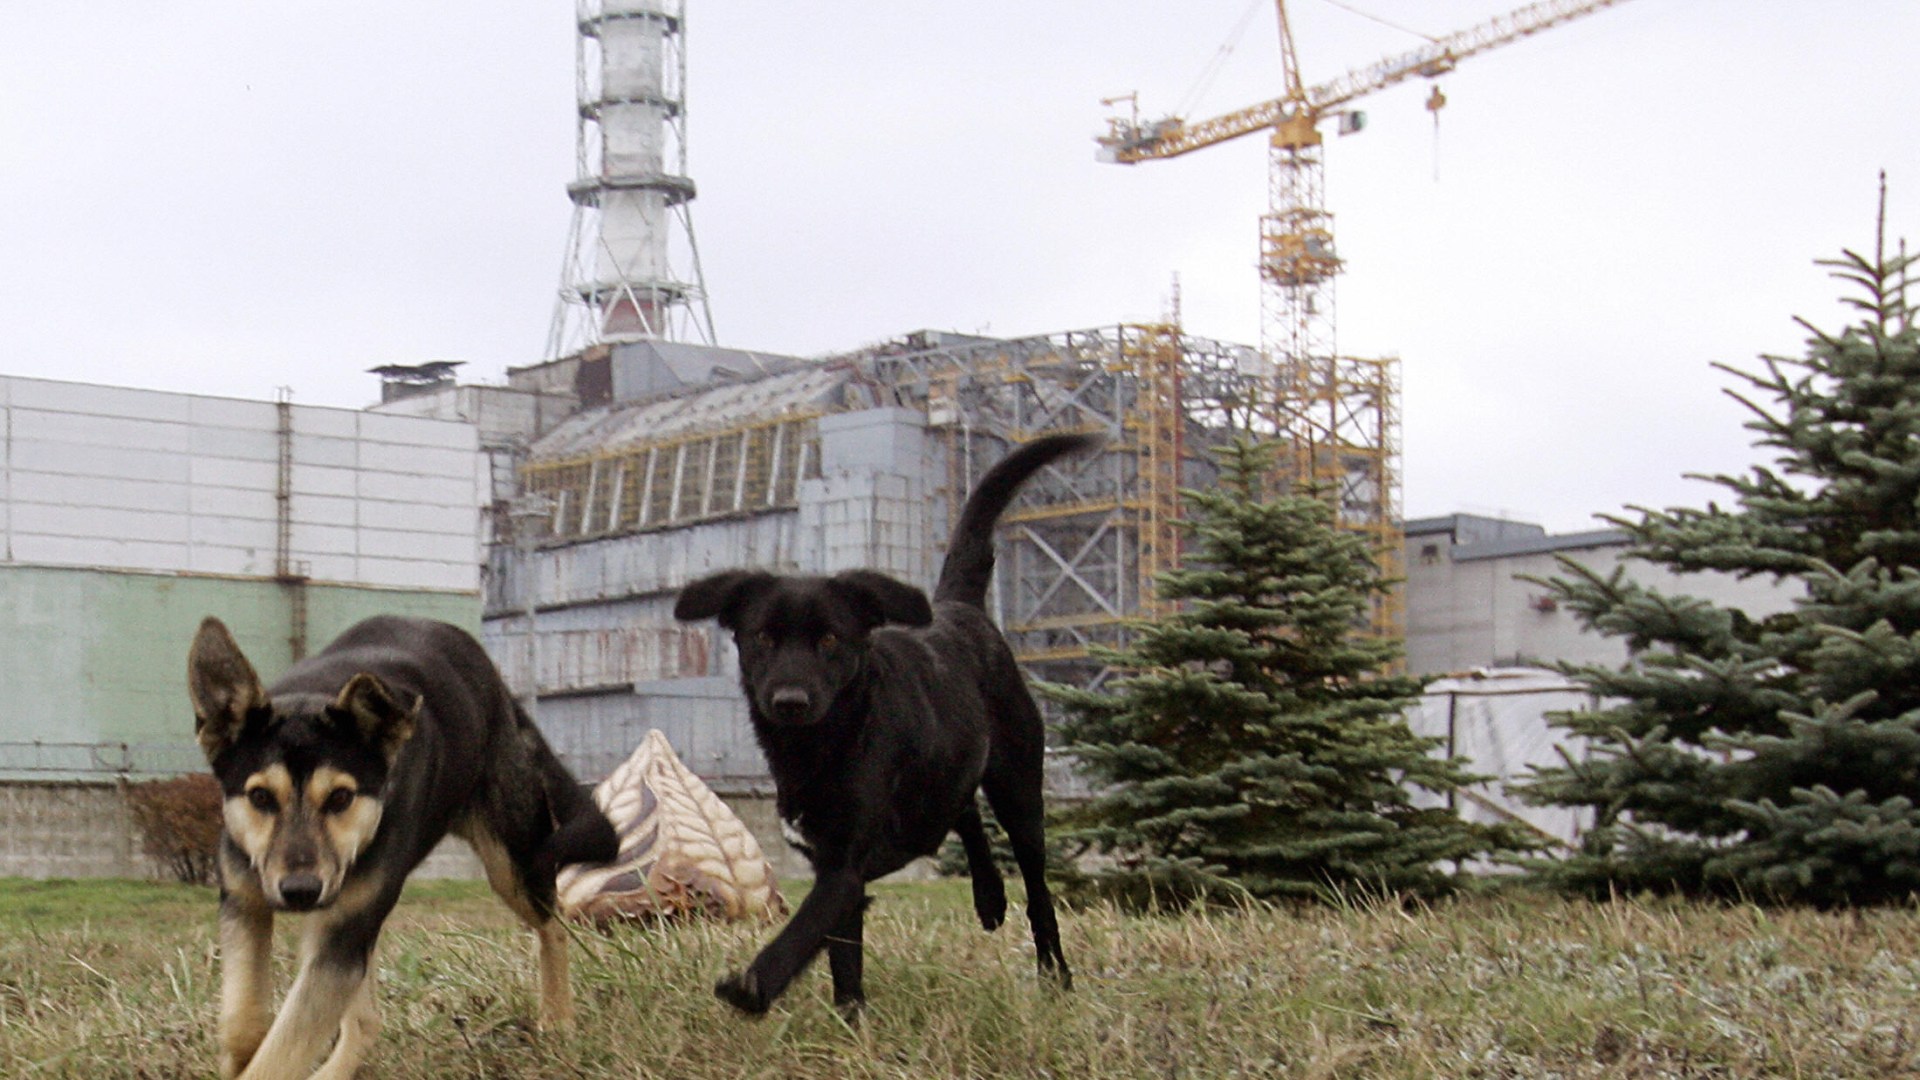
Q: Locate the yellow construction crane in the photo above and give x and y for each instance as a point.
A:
(1338, 416)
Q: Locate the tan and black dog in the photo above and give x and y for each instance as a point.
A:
(338, 779)
(882, 716)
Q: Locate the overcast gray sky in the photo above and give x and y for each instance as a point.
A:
(223, 197)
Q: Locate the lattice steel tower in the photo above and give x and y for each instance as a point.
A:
(632, 270)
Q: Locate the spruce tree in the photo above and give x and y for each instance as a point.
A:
(1255, 744)
(1771, 757)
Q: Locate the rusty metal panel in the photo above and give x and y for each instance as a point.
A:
(704, 719)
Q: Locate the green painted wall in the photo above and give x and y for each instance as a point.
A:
(100, 656)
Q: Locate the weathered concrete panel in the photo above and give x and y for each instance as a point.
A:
(444, 522)
(31, 547)
(85, 830)
(335, 453)
(310, 480)
(82, 429)
(170, 497)
(405, 430)
(258, 444)
(229, 473)
(233, 503)
(208, 530)
(141, 480)
(326, 423)
(234, 413)
(409, 573)
(75, 459)
(89, 398)
(68, 831)
(89, 656)
(433, 491)
(415, 460)
(422, 545)
(643, 563)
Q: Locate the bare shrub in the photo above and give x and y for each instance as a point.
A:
(179, 823)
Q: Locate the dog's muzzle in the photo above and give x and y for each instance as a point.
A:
(300, 892)
(790, 705)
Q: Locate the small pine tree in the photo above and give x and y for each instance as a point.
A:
(1256, 745)
(1773, 757)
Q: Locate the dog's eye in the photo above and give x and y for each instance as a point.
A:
(337, 801)
(763, 640)
(262, 800)
(828, 643)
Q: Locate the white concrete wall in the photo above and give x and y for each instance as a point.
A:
(1466, 611)
(504, 414)
(116, 478)
(869, 508)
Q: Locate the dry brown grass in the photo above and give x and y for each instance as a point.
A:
(117, 979)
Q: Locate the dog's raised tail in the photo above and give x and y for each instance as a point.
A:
(968, 568)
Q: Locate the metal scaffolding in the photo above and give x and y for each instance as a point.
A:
(1088, 538)
(1082, 548)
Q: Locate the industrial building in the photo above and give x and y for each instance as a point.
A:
(127, 516)
(1480, 623)
(1474, 601)
(684, 459)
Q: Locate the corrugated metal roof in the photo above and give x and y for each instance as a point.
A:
(809, 389)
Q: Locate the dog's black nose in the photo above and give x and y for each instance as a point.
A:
(790, 703)
(300, 891)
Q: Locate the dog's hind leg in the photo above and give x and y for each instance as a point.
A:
(508, 875)
(556, 986)
(1015, 797)
(246, 942)
(989, 892)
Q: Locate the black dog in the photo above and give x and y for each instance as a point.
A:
(879, 735)
(338, 780)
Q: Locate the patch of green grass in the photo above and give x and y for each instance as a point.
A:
(119, 979)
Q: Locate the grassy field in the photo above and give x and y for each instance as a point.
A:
(118, 979)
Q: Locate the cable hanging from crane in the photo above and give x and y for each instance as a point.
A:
(1368, 15)
(1215, 66)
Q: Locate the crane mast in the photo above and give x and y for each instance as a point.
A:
(1337, 417)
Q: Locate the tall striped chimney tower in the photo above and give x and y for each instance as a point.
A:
(632, 271)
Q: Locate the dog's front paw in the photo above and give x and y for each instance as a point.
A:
(238, 1045)
(851, 1008)
(743, 992)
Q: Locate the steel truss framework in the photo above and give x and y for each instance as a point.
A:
(1088, 537)
(632, 265)
(697, 476)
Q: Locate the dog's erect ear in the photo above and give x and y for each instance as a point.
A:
(720, 596)
(223, 686)
(880, 599)
(382, 718)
